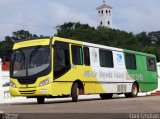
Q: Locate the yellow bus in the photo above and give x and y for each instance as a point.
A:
(58, 67)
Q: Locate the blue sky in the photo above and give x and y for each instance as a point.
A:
(42, 16)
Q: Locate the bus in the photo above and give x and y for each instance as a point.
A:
(57, 67)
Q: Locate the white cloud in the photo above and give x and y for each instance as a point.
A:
(41, 16)
(138, 16)
(61, 14)
(38, 19)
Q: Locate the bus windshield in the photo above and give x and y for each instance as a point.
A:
(30, 61)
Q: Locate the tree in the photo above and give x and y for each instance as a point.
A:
(144, 42)
(22, 34)
(8, 39)
(101, 35)
(143, 38)
(7, 45)
(5, 49)
(154, 37)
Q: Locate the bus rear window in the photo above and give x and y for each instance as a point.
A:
(151, 64)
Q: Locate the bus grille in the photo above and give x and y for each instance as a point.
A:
(27, 81)
(27, 92)
(121, 88)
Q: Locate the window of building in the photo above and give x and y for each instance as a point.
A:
(77, 56)
(61, 58)
(108, 22)
(151, 66)
(86, 56)
(130, 61)
(106, 58)
(109, 12)
(102, 11)
(106, 11)
(101, 23)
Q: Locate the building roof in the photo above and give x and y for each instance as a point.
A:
(104, 6)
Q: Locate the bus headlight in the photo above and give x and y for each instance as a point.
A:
(12, 84)
(44, 82)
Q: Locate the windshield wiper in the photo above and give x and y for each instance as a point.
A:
(33, 53)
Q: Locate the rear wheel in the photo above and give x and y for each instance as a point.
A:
(75, 92)
(134, 92)
(106, 96)
(40, 100)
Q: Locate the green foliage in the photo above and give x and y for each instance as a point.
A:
(22, 34)
(143, 42)
(7, 45)
(154, 37)
(5, 49)
(101, 35)
(143, 38)
(152, 50)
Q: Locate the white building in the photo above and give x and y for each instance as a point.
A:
(105, 15)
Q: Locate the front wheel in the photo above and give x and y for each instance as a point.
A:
(40, 100)
(134, 91)
(75, 92)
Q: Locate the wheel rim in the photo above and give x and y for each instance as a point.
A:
(135, 90)
(77, 92)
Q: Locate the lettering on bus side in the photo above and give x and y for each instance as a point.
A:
(137, 76)
(90, 74)
(104, 75)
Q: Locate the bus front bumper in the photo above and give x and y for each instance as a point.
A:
(30, 91)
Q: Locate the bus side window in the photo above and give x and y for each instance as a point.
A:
(106, 58)
(151, 64)
(86, 56)
(77, 56)
(130, 61)
(61, 58)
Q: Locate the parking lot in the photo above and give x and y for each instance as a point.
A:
(93, 105)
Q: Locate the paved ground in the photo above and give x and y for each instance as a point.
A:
(93, 105)
(148, 104)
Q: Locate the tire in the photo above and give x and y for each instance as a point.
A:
(106, 96)
(134, 92)
(75, 92)
(40, 100)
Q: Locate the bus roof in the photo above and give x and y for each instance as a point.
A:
(31, 42)
(46, 41)
(102, 46)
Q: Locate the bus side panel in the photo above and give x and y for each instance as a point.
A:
(147, 80)
(61, 88)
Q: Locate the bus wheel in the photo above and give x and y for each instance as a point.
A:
(40, 100)
(134, 92)
(75, 92)
(106, 96)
